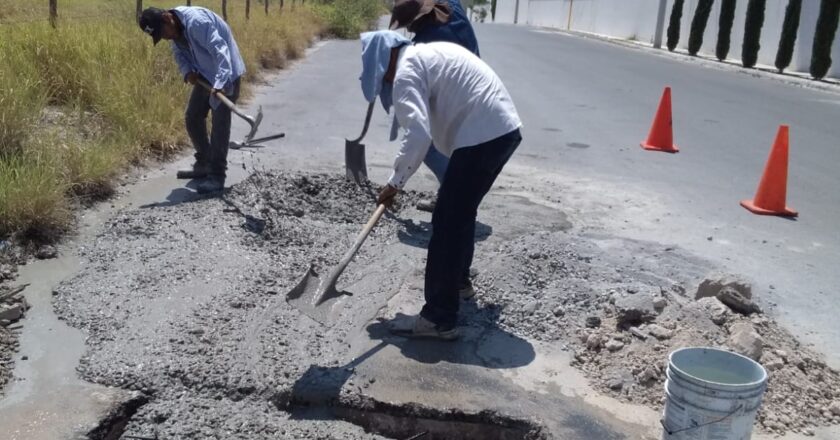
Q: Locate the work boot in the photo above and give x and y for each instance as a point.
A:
(213, 183)
(427, 205)
(422, 328)
(197, 171)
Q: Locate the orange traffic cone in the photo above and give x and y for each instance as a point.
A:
(661, 137)
(772, 191)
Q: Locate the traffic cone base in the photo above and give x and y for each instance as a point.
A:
(787, 212)
(772, 190)
(672, 149)
(661, 136)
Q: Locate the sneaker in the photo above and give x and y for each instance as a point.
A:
(213, 183)
(422, 328)
(427, 205)
(197, 171)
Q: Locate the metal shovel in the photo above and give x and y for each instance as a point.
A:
(354, 153)
(315, 296)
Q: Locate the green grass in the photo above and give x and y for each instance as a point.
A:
(121, 98)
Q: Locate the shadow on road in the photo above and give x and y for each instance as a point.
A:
(418, 234)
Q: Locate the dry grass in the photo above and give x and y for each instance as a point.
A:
(98, 68)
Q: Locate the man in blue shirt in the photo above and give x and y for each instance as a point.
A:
(204, 48)
(433, 21)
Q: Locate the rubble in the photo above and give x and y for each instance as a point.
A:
(13, 306)
(737, 302)
(635, 309)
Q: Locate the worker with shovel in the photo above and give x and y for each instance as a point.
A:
(208, 58)
(430, 22)
(442, 92)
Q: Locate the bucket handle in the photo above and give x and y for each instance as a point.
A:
(696, 426)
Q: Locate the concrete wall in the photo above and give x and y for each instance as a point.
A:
(636, 20)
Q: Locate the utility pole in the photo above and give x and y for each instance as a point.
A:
(571, 9)
(660, 24)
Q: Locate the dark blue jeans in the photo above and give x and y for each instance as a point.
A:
(470, 175)
(213, 151)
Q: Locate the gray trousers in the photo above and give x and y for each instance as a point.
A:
(211, 152)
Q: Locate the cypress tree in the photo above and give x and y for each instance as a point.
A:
(752, 32)
(788, 40)
(698, 26)
(727, 18)
(824, 37)
(674, 24)
(493, 10)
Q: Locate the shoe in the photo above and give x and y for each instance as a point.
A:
(466, 292)
(213, 183)
(197, 171)
(427, 205)
(422, 328)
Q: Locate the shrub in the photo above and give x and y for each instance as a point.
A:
(698, 26)
(824, 38)
(752, 32)
(674, 25)
(727, 19)
(788, 39)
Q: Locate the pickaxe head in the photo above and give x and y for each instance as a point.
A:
(255, 124)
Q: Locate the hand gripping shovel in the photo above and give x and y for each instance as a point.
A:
(314, 296)
(354, 153)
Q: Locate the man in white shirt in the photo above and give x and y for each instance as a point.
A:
(443, 93)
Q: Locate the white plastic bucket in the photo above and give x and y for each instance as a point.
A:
(711, 394)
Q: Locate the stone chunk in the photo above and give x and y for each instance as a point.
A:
(612, 346)
(718, 312)
(635, 309)
(11, 313)
(660, 332)
(745, 340)
(714, 283)
(737, 302)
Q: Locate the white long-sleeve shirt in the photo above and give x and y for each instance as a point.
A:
(444, 93)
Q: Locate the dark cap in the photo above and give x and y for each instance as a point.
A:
(151, 21)
(406, 12)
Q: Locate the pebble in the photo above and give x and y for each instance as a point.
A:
(559, 311)
(593, 321)
(612, 346)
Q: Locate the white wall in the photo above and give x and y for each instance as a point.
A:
(636, 20)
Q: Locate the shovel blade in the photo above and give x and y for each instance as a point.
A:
(354, 160)
(315, 297)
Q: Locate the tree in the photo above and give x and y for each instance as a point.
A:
(752, 32)
(788, 39)
(727, 19)
(698, 26)
(674, 25)
(493, 10)
(824, 38)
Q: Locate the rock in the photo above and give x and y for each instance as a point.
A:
(718, 312)
(835, 408)
(772, 363)
(659, 303)
(737, 302)
(635, 309)
(648, 374)
(809, 432)
(616, 384)
(745, 340)
(612, 346)
(714, 283)
(593, 322)
(594, 341)
(638, 333)
(46, 252)
(659, 332)
(11, 313)
(559, 311)
(531, 307)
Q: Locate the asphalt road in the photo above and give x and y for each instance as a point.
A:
(588, 103)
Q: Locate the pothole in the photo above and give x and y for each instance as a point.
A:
(412, 421)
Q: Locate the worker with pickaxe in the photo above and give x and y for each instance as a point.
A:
(442, 92)
(208, 58)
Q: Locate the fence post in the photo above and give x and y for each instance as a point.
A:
(53, 12)
(224, 9)
(660, 25)
(266, 7)
(281, 5)
(247, 9)
(139, 9)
